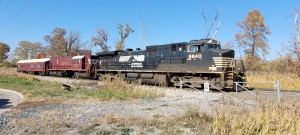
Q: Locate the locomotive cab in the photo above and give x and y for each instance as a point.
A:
(203, 45)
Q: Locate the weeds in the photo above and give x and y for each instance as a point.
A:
(36, 90)
(288, 81)
(266, 118)
(89, 129)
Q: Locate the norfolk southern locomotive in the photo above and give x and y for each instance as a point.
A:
(193, 62)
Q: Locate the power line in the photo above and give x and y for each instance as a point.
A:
(33, 21)
(17, 13)
(8, 3)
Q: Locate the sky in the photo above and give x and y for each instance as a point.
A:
(166, 21)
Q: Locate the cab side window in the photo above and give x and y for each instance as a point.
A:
(195, 48)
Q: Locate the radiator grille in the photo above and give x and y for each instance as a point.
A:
(223, 61)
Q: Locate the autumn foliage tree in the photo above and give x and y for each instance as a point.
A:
(61, 44)
(101, 38)
(120, 44)
(28, 50)
(253, 36)
(4, 49)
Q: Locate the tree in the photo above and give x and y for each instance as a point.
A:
(295, 42)
(123, 36)
(144, 31)
(4, 49)
(253, 35)
(296, 24)
(60, 45)
(28, 50)
(207, 20)
(101, 40)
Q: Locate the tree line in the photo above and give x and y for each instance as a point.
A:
(63, 43)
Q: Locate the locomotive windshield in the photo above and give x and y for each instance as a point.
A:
(199, 48)
(214, 46)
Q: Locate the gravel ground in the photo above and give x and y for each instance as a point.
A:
(9, 99)
(75, 117)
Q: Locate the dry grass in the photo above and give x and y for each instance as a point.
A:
(288, 81)
(12, 72)
(264, 119)
(267, 118)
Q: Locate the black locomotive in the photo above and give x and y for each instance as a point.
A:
(193, 62)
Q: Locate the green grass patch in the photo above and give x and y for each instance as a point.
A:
(33, 88)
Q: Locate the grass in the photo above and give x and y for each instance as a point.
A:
(264, 119)
(267, 118)
(43, 90)
(288, 81)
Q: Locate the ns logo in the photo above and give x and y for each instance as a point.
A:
(138, 58)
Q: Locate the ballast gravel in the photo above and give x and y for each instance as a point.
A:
(74, 117)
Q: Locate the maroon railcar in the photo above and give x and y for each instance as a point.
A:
(77, 66)
(33, 66)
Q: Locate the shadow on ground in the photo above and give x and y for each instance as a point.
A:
(4, 104)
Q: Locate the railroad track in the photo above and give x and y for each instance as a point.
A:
(256, 94)
(268, 95)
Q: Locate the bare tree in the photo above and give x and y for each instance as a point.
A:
(296, 13)
(74, 44)
(296, 40)
(101, 40)
(206, 21)
(144, 31)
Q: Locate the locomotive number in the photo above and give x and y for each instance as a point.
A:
(194, 56)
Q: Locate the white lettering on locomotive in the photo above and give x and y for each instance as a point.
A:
(135, 58)
(194, 56)
(124, 58)
(136, 65)
(138, 57)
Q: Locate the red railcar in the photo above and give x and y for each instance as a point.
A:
(77, 66)
(33, 66)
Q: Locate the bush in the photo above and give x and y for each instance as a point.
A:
(7, 64)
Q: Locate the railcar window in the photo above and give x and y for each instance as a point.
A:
(75, 61)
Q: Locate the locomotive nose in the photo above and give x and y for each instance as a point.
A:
(224, 53)
(228, 53)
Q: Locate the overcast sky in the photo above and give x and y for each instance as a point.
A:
(168, 20)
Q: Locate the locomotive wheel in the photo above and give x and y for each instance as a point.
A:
(175, 81)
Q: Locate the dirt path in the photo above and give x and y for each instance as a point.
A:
(9, 99)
